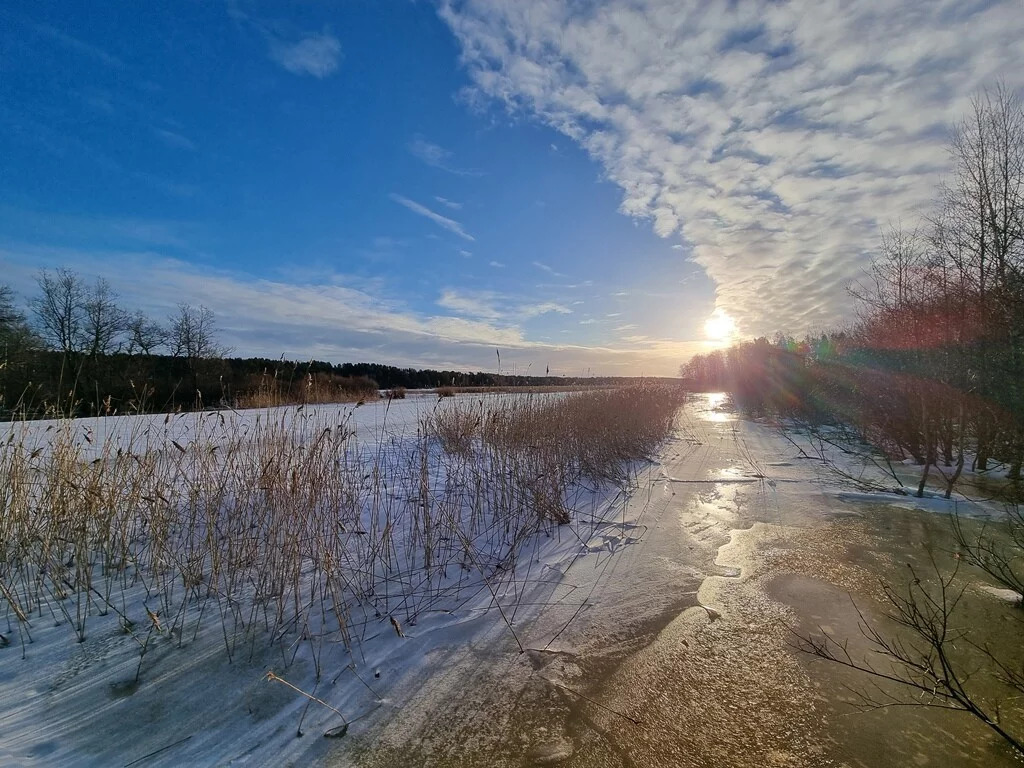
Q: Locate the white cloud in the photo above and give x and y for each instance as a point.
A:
(534, 310)
(387, 243)
(488, 305)
(317, 55)
(428, 152)
(472, 306)
(339, 318)
(442, 221)
(437, 156)
(497, 265)
(176, 140)
(776, 139)
(448, 203)
(465, 254)
(76, 45)
(547, 268)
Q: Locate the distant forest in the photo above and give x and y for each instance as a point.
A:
(75, 351)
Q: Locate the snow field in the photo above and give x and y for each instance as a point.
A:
(145, 559)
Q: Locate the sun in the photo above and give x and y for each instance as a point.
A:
(720, 328)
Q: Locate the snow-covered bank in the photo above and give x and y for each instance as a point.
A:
(336, 547)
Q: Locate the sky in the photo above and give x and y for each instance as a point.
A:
(587, 187)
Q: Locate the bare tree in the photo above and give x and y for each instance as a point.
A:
(105, 323)
(9, 314)
(59, 309)
(923, 664)
(895, 275)
(144, 335)
(13, 327)
(959, 333)
(986, 199)
(1000, 557)
(76, 318)
(192, 333)
(982, 233)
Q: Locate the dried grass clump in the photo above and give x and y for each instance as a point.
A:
(455, 426)
(397, 393)
(445, 391)
(549, 443)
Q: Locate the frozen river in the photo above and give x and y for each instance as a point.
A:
(671, 644)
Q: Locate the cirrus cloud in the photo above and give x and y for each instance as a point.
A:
(442, 221)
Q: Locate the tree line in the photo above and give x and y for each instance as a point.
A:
(78, 350)
(933, 366)
(73, 349)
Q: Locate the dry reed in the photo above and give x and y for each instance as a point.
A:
(284, 526)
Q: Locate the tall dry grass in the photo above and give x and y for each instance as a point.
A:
(285, 527)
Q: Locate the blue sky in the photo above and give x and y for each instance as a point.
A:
(581, 185)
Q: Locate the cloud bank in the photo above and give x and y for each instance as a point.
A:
(775, 138)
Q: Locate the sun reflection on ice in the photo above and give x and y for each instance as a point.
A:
(716, 399)
(717, 409)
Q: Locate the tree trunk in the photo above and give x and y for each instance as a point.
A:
(947, 441)
(929, 447)
(924, 479)
(959, 453)
(956, 474)
(984, 444)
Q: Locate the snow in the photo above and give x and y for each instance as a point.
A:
(136, 692)
(1006, 595)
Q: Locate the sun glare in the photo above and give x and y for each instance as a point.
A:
(719, 328)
